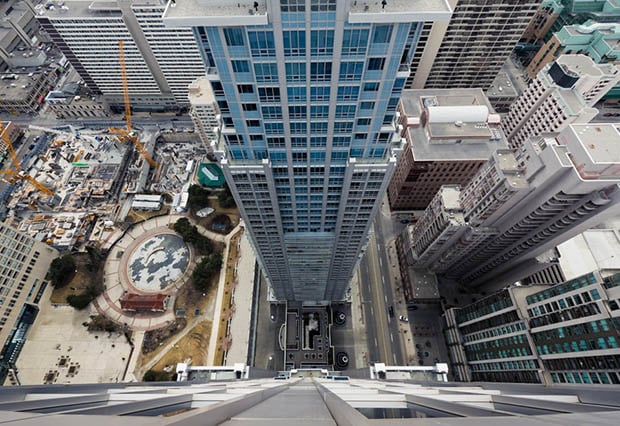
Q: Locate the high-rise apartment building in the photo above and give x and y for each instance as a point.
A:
(565, 333)
(480, 37)
(562, 93)
(600, 42)
(513, 214)
(161, 61)
(204, 112)
(449, 134)
(308, 92)
(25, 263)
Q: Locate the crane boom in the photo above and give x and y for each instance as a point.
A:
(9, 147)
(127, 134)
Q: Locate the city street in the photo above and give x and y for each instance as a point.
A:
(383, 335)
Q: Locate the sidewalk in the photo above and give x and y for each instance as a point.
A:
(217, 314)
(242, 297)
(359, 324)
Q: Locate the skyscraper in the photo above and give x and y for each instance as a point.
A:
(25, 264)
(161, 62)
(565, 333)
(449, 134)
(568, 184)
(563, 92)
(308, 92)
(480, 37)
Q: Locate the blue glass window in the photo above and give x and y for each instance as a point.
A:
(319, 111)
(322, 42)
(297, 111)
(298, 128)
(376, 64)
(320, 71)
(272, 112)
(318, 127)
(382, 34)
(261, 43)
(342, 140)
(345, 111)
(343, 127)
(293, 5)
(234, 36)
(274, 128)
(299, 142)
(296, 94)
(269, 94)
(240, 66)
(354, 42)
(276, 142)
(296, 71)
(371, 87)
(266, 72)
(318, 141)
(319, 94)
(294, 43)
(351, 71)
(348, 93)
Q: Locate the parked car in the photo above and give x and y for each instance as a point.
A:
(403, 318)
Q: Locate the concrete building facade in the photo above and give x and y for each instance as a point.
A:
(160, 61)
(449, 134)
(480, 37)
(514, 214)
(600, 42)
(565, 333)
(308, 93)
(562, 93)
(204, 112)
(22, 281)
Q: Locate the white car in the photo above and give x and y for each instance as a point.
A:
(403, 318)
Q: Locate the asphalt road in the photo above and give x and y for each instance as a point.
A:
(383, 338)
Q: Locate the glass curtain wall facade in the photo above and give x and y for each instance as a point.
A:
(308, 100)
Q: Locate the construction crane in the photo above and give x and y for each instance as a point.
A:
(127, 135)
(18, 174)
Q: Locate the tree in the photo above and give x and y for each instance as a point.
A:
(61, 270)
(226, 199)
(198, 197)
(191, 235)
(205, 270)
(79, 301)
(156, 376)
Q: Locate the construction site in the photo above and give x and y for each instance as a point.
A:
(78, 180)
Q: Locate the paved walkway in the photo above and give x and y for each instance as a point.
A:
(240, 321)
(217, 314)
(359, 324)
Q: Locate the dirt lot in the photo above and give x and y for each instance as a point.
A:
(191, 348)
(135, 216)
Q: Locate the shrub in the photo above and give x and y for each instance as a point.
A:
(79, 301)
(61, 270)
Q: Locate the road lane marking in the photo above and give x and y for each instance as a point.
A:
(392, 337)
(380, 261)
(385, 297)
(394, 356)
(376, 344)
(383, 279)
(372, 311)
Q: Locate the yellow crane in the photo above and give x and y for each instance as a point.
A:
(18, 174)
(127, 135)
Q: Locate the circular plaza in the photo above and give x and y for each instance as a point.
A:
(149, 259)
